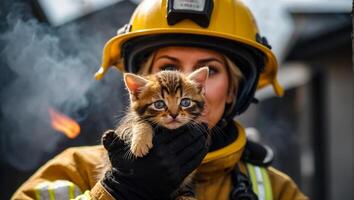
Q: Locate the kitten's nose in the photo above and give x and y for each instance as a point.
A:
(173, 115)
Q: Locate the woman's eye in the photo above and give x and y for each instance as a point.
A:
(212, 71)
(185, 102)
(169, 67)
(159, 104)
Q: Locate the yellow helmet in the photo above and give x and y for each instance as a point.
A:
(227, 26)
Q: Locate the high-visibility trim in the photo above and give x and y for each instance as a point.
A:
(252, 175)
(51, 191)
(71, 190)
(260, 182)
(57, 190)
(268, 185)
(41, 191)
(38, 193)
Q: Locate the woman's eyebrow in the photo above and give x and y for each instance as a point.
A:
(168, 57)
(206, 60)
(201, 61)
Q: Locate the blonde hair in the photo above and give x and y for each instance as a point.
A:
(234, 77)
(145, 67)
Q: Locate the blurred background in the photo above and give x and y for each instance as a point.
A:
(49, 101)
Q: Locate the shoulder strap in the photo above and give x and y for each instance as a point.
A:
(242, 186)
(257, 154)
(261, 184)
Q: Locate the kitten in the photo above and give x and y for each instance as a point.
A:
(168, 98)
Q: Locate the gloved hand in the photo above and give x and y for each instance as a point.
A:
(176, 153)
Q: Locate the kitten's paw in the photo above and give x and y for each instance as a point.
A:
(140, 149)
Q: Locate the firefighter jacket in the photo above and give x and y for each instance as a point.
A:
(73, 175)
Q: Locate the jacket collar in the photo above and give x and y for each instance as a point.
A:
(220, 161)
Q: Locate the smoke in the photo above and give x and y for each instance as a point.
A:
(274, 15)
(50, 67)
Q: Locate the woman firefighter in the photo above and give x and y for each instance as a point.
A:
(182, 35)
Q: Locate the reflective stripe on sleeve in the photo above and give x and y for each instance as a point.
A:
(260, 182)
(85, 196)
(42, 191)
(57, 190)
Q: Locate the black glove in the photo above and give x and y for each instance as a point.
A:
(176, 153)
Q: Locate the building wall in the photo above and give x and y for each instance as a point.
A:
(340, 125)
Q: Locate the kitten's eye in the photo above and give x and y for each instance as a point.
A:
(169, 67)
(159, 104)
(185, 102)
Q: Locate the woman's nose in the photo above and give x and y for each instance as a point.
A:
(186, 69)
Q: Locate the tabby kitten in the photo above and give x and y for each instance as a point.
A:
(168, 98)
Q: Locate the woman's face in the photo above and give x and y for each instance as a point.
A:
(188, 59)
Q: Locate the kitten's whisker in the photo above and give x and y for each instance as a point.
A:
(119, 115)
(197, 125)
(153, 122)
(128, 154)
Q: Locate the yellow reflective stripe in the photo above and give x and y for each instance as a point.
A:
(252, 175)
(260, 182)
(60, 189)
(41, 191)
(38, 193)
(267, 184)
(51, 191)
(71, 190)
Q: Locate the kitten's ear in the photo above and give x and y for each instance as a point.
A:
(134, 83)
(200, 76)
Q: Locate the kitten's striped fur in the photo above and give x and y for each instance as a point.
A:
(170, 87)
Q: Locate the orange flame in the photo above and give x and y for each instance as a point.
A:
(64, 124)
